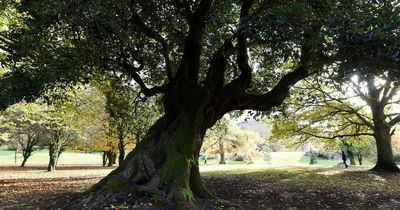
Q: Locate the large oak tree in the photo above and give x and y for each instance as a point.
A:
(205, 57)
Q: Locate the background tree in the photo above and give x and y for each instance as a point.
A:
(339, 111)
(120, 108)
(371, 61)
(63, 126)
(247, 144)
(218, 136)
(24, 124)
(226, 139)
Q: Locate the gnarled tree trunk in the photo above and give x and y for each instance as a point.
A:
(165, 162)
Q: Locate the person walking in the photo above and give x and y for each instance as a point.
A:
(344, 158)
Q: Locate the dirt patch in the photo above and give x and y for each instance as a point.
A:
(294, 188)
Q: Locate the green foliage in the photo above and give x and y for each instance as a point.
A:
(67, 42)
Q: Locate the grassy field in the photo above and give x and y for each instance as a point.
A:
(40, 158)
(284, 182)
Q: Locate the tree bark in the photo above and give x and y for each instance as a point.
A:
(165, 162)
(54, 154)
(104, 157)
(51, 166)
(27, 151)
(114, 159)
(111, 158)
(360, 158)
(24, 161)
(221, 152)
(351, 157)
(55, 149)
(121, 148)
(383, 141)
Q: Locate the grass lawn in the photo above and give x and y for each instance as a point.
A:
(41, 157)
(327, 162)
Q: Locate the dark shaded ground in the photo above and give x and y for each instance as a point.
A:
(282, 188)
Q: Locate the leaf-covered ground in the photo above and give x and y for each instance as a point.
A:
(267, 188)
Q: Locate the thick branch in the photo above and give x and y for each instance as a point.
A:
(394, 121)
(274, 97)
(338, 136)
(216, 73)
(389, 94)
(244, 80)
(190, 62)
(309, 63)
(132, 72)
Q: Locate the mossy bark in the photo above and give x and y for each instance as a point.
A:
(165, 162)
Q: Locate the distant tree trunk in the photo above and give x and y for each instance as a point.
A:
(351, 157)
(54, 154)
(221, 152)
(104, 158)
(52, 162)
(24, 161)
(15, 156)
(55, 149)
(28, 149)
(114, 158)
(111, 157)
(121, 148)
(359, 157)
